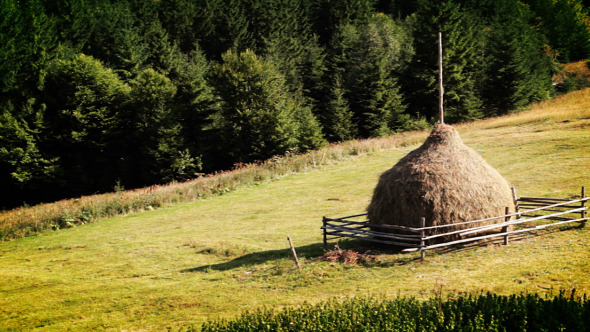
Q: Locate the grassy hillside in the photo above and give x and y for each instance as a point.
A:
(221, 255)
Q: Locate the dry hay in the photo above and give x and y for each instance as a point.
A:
(347, 256)
(444, 181)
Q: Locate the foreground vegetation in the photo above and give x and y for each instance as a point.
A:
(215, 257)
(465, 313)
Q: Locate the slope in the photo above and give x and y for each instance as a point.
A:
(222, 255)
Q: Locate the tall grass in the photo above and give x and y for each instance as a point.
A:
(27, 221)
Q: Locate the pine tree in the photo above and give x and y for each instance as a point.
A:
(517, 68)
(313, 71)
(26, 44)
(156, 146)
(327, 16)
(368, 57)
(259, 117)
(566, 24)
(83, 99)
(462, 44)
(194, 102)
(178, 17)
(338, 124)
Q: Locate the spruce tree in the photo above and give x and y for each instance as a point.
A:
(178, 17)
(462, 54)
(155, 133)
(338, 118)
(517, 68)
(368, 57)
(327, 16)
(83, 100)
(566, 24)
(194, 102)
(259, 117)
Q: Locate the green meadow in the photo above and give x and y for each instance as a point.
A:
(219, 256)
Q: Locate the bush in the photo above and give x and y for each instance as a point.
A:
(486, 312)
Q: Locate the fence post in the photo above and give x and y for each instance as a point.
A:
(293, 252)
(516, 206)
(583, 212)
(325, 233)
(422, 236)
(505, 228)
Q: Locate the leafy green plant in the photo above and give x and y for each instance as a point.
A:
(485, 312)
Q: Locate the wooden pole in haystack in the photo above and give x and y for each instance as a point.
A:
(440, 79)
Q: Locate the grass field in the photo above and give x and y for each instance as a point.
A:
(219, 256)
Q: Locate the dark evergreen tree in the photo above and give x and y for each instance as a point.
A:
(155, 149)
(285, 36)
(194, 103)
(566, 24)
(313, 75)
(463, 45)
(399, 9)
(26, 44)
(26, 47)
(231, 28)
(517, 68)
(83, 99)
(259, 117)
(178, 17)
(337, 117)
(327, 15)
(369, 57)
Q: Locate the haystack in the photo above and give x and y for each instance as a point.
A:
(444, 181)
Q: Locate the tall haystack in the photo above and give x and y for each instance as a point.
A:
(444, 181)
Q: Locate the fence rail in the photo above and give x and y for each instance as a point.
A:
(532, 213)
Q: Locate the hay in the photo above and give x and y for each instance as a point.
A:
(444, 181)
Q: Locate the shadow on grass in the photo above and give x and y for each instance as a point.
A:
(309, 251)
(316, 250)
(312, 251)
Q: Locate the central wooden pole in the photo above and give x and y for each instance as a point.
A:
(440, 79)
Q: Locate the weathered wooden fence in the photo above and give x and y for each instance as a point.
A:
(532, 213)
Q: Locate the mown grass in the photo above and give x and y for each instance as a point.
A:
(220, 255)
(27, 221)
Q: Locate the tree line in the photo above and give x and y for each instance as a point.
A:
(97, 95)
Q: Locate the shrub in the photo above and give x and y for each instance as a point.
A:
(485, 312)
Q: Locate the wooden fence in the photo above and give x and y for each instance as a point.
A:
(532, 213)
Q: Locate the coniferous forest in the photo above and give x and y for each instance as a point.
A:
(100, 95)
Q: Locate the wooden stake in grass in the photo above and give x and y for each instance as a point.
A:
(440, 79)
(293, 252)
(583, 213)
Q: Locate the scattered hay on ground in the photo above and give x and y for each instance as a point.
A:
(347, 256)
